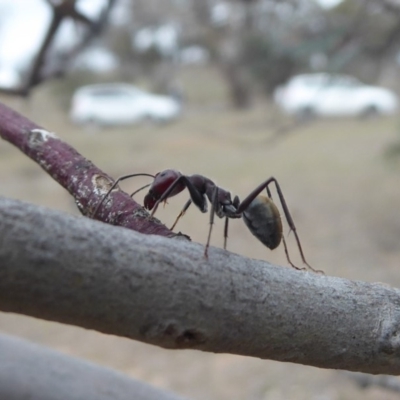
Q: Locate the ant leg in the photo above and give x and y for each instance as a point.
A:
(122, 178)
(226, 232)
(182, 213)
(288, 258)
(247, 201)
(284, 241)
(214, 204)
(292, 226)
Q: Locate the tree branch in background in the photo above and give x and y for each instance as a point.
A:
(61, 10)
(164, 292)
(83, 180)
(365, 381)
(31, 371)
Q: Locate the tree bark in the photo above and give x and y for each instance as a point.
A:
(30, 371)
(164, 292)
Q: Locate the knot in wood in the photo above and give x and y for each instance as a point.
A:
(184, 337)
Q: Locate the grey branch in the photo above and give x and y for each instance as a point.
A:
(163, 291)
(365, 381)
(31, 371)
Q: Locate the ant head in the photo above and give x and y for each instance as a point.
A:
(162, 181)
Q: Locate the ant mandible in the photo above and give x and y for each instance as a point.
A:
(259, 213)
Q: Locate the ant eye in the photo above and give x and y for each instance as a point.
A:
(162, 174)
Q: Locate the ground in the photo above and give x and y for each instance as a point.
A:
(339, 183)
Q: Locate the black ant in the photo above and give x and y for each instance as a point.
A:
(259, 213)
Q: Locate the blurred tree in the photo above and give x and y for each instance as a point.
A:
(261, 43)
(50, 62)
(255, 43)
(365, 39)
(270, 63)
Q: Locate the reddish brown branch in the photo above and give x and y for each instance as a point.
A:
(83, 180)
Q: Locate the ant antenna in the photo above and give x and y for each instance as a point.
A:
(122, 178)
(137, 191)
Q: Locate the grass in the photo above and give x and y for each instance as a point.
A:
(342, 192)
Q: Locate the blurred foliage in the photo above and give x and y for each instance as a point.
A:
(356, 37)
(265, 40)
(392, 150)
(258, 43)
(368, 38)
(271, 63)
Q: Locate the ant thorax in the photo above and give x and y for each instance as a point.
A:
(224, 207)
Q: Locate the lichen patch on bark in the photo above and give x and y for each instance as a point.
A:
(39, 136)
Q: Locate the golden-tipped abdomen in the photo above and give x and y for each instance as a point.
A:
(263, 219)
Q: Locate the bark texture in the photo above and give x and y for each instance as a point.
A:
(164, 292)
(30, 371)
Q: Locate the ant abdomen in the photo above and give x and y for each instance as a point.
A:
(263, 219)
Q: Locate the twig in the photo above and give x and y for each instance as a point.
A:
(83, 180)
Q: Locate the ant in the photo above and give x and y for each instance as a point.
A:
(259, 213)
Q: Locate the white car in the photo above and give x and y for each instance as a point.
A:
(333, 95)
(120, 103)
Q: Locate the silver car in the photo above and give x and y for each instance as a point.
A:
(120, 103)
(334, 95)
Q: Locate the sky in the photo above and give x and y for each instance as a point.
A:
(32, 20)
